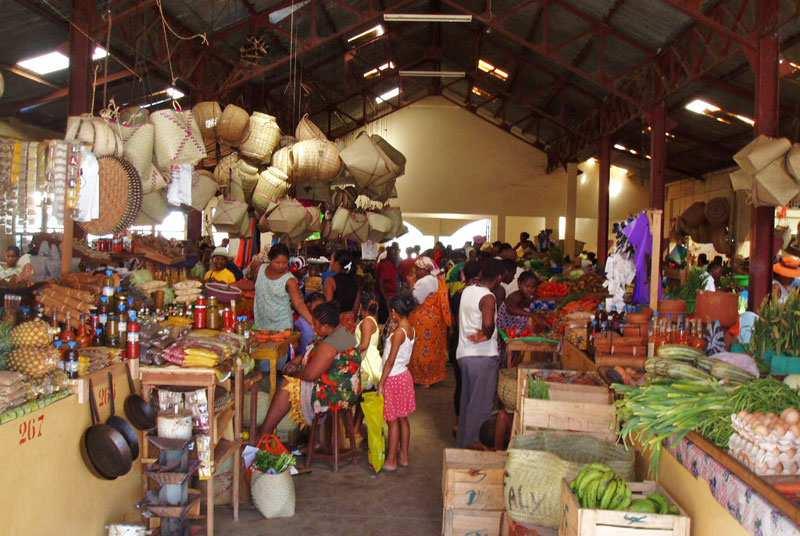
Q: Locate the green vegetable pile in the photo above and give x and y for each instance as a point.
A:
(269, 463)
(598, 486)
(5, 344)
(538, 389)
(777, 328)
(658, 411)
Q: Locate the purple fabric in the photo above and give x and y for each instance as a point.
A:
(639, 236)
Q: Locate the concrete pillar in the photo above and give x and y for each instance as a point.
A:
(500, 232)
(572, 208)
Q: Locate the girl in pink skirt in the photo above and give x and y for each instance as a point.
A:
(397, 385)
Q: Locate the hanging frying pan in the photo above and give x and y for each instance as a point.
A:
(138, 411)
(121, 425)
(106, 449)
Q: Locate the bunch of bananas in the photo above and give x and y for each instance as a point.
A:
(598, 486)
(655, 503)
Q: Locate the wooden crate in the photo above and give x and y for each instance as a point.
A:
(564, 392)
(577, 408)
(577, 521)
(466, 522)
(473, 480)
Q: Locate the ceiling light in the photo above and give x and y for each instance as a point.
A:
(46, 63)
(488, 68)
(699, 106)
(479, 92)
(378, 30)
(745, 119)
(377, 70)
(425, 17)
(591, 161)
(392, 93)
(620, 147)
(434, 74)
(632, 151)
(174, 93)
(99, 53)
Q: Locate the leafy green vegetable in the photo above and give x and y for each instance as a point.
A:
(267, 462)
(538, 389)
(777, 328)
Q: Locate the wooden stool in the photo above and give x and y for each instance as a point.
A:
(272, 352)
(250, 385)
(333, 455)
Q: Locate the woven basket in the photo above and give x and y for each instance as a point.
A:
(721, 240)
(212, 155)
(287, 217)
(378, 222)
(134, 116)
(228, 215)
(155, 207)
(232, 125)
(138, 149)
(394, 214)
(307, 130)
(273, 495)
(776, 186)
(154, 182)
(263, 137)
(96, 132)
(344, 196)
(177, 138)
(281, 159)
(537, 463)
(207, 115)
(741, 180)
(507, 388)
(248, 178)
(718, 212)
(373, 163)
(695, 214)
(316, 192)
(226, 169)
(702, 234)
(313, 219)
(287, 141)
(760, 152)
(120, 197)
(272, 185)
(357, 227)
(314, 160)
(204, 187)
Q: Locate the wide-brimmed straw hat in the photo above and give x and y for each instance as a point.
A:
(789, 266)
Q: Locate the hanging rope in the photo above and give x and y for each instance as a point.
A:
(105, 66)
(94, 88)
(164, 27)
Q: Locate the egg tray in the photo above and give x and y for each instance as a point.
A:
(761, 461)
(770, 442)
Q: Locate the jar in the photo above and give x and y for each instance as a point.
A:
(214, 320)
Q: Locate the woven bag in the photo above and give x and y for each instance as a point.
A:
(344, 196)
(314, 160)
(248, 178)
(339, 221)
(154, 182)
(313, 219)
(138, 149)
(232, 125)
(394, 214)
(273, 495)
(281, 159)
(718, 212)
(760, 152)
(695, 214)
(721, 240)
(307, 130)
(263, 137)
(383, 187)
(793, 161)
(507, 388)
(317, 192)
(177, 138)
(702, 233)
(155, 207)
(357, 227)
(286, 217)
(207, 115)
(776, 186)
(204, 187)
(225, 169)
(134, 116)
(370, 160)
(378, 222)
(95, 132)
(537, 463)
(228, 215)
(272, 185)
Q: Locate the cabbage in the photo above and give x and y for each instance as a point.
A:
(792, 380)
(742, 361)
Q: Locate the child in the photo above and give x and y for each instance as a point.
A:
(368, 336)
(396, 384)
(515, 312)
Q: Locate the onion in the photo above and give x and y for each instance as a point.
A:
(790, 416)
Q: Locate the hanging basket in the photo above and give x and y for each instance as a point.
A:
(204, 188)
(248, 178)
(349, 225)
(315, 192)
(226, 169)
(287, 141)
(718, 212)
(314, 160)
(287, 217)
(263, 137)
(155, 207)
(344, 196)
(396, 217)
(138, 149)
(775, 185)
(95, 132)
(228, 215)
(207, 115)
(177, 138)
(313, 219)
(373, 163)
(154, 182)
(272, 185)
(134, 116)
(722, 241)
(760, 152)
(232, 125)
(695, 214)
(702, 234)
(281, 159)
(120, 197)
(741, 180)
(307, 130)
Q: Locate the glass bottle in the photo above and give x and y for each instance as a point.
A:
(71, 365)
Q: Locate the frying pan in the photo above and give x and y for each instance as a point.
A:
(138, 411)
(106, 449)
(121, 425)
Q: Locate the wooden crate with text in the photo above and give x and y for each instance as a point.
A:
(472, 490)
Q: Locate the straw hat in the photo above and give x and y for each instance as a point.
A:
(789, 266)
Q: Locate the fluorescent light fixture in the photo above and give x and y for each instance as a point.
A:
(46, 63)
(479, 92)
(156, 103)
(620, 147)
(745, 119)
(425, 17)
(488, 68)
(392, 93)
(699, 106)
(632, 151)
(174, 93)
(434, 74)
(377, 70)
(278, 15)
(378, 30)
(99, 53)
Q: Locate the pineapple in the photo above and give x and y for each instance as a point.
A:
(32, 333)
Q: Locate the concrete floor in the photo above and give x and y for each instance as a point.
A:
(355, 501)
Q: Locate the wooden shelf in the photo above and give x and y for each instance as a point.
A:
(224, 450)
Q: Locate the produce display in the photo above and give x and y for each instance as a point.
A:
(767, 443)
(598, 486)
(568, 376)
(679, 362)
(776, 329)
(624, 375)
(591, 283)
(538, 389)
(552, 289)
(33, 354)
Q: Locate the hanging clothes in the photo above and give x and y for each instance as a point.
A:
(641, 239)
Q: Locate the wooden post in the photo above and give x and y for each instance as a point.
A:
(658, 155)
(655, 217)
(80, 58)
(572, 208)
(602, 199)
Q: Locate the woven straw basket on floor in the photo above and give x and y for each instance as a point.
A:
(263, 137)
(273, 495)
(232, 125)
(307, 130)
(272, 185)
(314, 160)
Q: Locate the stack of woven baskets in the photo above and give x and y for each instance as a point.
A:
(707, 223)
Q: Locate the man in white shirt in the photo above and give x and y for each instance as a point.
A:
(507, 253)
(477, 354)
(714, 273)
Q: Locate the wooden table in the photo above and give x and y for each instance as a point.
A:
(572, 358)
(272, 352)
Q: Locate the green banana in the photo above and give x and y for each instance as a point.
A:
(594, 476)
(591, 494)
(583, 474)
(626, 500)
(662, 502)
(608, 494)
(619, 495)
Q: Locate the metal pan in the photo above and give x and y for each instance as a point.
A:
(138, 411)
(106, 449)
(121, 425)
